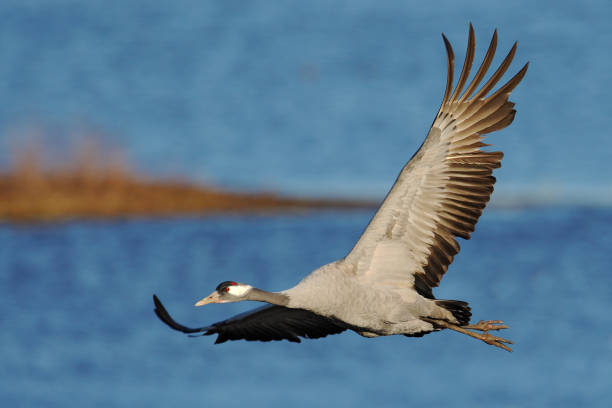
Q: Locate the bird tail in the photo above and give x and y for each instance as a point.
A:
(460, 310)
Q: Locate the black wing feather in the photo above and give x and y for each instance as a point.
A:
(265, 323)
(163, 315)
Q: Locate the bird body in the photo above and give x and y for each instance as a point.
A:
(385, 284)
(373, 310)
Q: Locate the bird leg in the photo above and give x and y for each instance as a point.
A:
(480, 326)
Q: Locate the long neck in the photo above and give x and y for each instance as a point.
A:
(269, 297)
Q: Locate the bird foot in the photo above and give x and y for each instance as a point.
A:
(483, 326)
(494, 340)
(486, 326)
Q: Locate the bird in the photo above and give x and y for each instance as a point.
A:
(384, 285)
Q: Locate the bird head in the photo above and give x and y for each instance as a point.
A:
(227, 291)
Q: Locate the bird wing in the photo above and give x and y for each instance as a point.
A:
(441, 192)
(264, 324)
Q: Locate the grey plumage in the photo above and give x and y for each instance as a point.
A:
(385, 284)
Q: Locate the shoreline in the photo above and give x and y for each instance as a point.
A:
(52, 197)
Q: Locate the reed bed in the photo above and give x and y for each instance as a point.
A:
(91, 188)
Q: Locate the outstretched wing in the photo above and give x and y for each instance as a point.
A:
(264, 324)
(441, 192)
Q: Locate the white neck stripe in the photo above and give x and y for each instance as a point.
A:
(238, 290)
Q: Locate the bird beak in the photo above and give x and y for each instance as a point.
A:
(212, 298)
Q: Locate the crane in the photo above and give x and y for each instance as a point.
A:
(384, 286)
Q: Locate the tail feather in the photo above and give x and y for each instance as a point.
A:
(460, 310)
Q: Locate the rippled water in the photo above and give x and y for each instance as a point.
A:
(79, 330)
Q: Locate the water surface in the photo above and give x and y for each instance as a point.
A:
(79, 327)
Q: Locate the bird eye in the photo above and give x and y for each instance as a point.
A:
(227, 289)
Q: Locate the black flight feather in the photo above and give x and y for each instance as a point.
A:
(265, 323)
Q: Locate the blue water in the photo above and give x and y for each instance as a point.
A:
(303, 97)
(309, 98)
(78, 327)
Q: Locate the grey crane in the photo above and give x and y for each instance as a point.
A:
(384, 285)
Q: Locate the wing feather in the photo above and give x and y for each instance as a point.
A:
(441, 192)
(265, 323)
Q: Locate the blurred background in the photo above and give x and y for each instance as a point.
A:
(306, 99)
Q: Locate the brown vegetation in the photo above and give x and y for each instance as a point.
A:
(86, 189)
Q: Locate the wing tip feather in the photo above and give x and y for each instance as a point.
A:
(450, 56)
